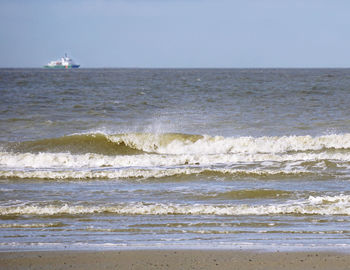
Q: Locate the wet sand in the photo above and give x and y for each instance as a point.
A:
(174, 259)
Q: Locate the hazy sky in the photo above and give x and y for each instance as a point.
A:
(176, 33)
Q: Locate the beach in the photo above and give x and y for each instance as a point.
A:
(174, 259)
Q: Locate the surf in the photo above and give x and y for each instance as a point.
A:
(322, 205)
(178, 143)
(148, 155)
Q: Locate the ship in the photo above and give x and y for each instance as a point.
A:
(64, 62)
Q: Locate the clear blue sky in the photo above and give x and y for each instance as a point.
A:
(176, 33)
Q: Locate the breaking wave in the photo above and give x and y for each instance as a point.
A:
(75, 144)
(177, 143)
(322, 205)
(144, 155)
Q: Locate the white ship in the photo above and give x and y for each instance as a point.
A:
(64, 62)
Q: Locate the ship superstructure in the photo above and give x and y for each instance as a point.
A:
(64, 62)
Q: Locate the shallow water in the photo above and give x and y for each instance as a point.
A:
(129, 158)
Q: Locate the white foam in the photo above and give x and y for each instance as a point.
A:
(90, 160)
(221, 145)
(33, 225)
(178, 154)
(139, 173)
(337, 205)
(338, 200)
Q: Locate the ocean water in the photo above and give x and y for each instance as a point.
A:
(174, 158)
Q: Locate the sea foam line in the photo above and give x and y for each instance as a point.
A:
(337, 205)
(91, 160)
(145, 173)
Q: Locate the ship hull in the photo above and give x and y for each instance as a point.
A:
(62, 67)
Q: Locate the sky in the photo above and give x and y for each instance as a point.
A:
(176, 33)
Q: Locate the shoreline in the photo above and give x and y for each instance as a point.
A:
(175, 259)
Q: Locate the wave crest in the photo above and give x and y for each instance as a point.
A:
(75, 144)
(143, 155)
(337, 205)
(177, 143)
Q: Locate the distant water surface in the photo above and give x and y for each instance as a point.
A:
(174, 158)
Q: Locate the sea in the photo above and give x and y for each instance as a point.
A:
(100, 159)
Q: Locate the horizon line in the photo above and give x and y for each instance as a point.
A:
(110, 67)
